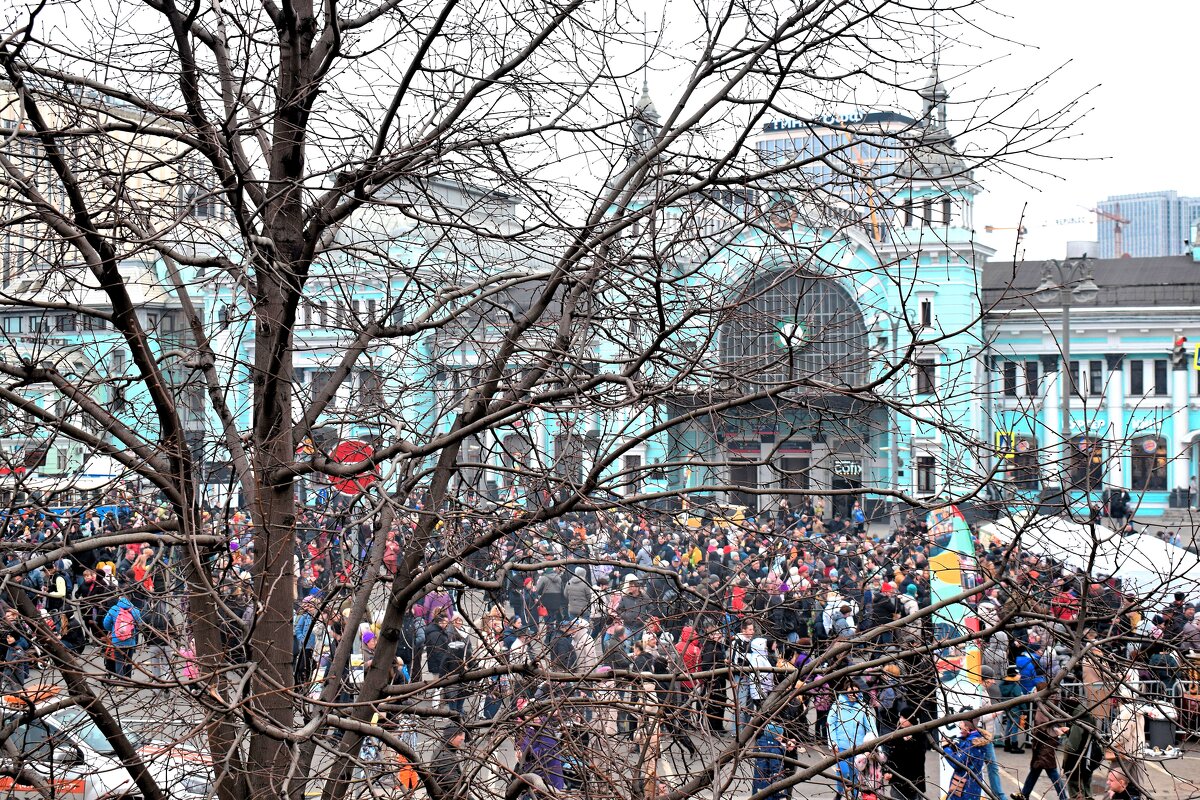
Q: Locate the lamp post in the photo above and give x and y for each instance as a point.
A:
(1067, 281)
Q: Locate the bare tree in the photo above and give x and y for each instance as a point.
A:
(395, 253)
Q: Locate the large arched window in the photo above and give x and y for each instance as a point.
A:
(789, 328)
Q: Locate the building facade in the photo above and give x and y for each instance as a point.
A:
(1134, 413)
(1158, 224)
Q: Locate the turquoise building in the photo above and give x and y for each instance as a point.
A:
(1133, 417)
(788, 294)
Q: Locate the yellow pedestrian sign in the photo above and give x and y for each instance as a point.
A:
(1004, 445)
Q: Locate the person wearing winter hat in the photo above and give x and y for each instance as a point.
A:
(578, 594)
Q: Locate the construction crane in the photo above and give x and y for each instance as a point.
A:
(1118, 221)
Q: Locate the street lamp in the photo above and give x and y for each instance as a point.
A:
(1067, 281)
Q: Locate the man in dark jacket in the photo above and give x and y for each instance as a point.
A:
(550, 593)
(714, 689)
(633, 607)
(437, 644)
(446, 766)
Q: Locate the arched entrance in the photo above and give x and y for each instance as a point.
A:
(806, 333)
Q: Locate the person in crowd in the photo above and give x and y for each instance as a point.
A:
(965, 755)
(851, 724)
(1044, 736)
(1119, 787)
(446, 766)
(303, 641)
(123, 622)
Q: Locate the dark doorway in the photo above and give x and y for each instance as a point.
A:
(842, 503)
(793, 476)
(743, 474)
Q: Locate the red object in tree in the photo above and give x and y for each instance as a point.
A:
(352, 451)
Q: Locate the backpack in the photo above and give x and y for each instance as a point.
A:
(123, 625)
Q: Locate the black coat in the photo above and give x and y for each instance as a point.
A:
(437, 646)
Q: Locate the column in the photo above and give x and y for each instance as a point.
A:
(1179, 428)
(1114, 400)
(1049, 436)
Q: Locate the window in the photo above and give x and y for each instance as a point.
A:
(926, 374)
(908, 212)
(371, 309)
(1025, 471)
(1072, 386)
(1086, 469)
(223, 317)
(796, 325)
(33, 741)
(322, 314)
(926, 312)
(193, 399)
(1137, 378)
(926, 475)
(370, 390)
(568, 457)
(64, 322)
(927, 211)
(1032, 387)
(118, 362)
(1160, 377)
(632, 480)
(947, 207)
(1010, 379)
(1148, 464)
(152, 321)
(12, 324)
(320, 380)
(1095, 378)
(39, 325)
(308, 315)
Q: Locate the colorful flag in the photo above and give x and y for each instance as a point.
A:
(952, 568)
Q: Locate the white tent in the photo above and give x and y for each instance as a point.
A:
(1084, 547)
(1147, 566)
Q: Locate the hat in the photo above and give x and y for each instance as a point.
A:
(1034, 574)
(1012, 671)
(581, 573)
(911, 590)
(630, 578)
(987, 673)
(887, 588)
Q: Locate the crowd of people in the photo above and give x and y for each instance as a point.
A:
(788, 631)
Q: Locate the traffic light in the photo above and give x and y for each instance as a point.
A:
(1179, 352)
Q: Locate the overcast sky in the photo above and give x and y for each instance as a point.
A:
(1143, 119)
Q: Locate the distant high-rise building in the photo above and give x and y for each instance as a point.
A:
(1146, 224)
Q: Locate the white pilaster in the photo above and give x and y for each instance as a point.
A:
(1114, 399)
(1049, 437)
(1179, 429)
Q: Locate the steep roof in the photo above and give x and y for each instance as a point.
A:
(1123, 282)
